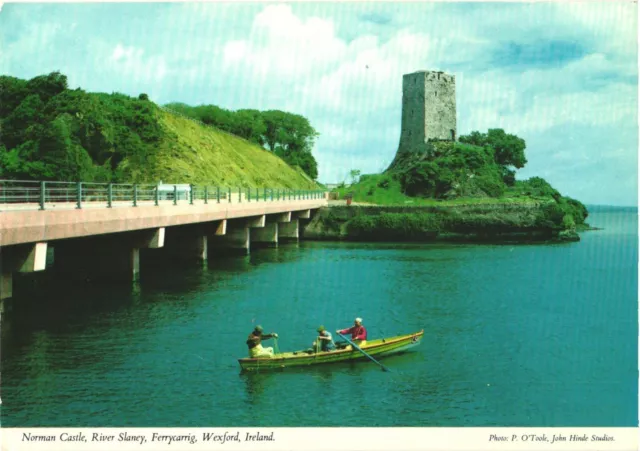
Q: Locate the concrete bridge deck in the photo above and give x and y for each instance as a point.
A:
(106, 241)
(29, 226)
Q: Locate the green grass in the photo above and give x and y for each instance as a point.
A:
(383, 189)
(192, 153)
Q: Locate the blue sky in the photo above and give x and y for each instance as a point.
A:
(561, 76)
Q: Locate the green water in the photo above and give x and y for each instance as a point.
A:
(527, 335)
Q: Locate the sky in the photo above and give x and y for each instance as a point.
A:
(562, 76)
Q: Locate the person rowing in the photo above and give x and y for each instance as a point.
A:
(254, 343)
(358, 332)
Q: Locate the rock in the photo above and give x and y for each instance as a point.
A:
(568, 236)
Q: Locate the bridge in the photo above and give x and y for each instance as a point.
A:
(97, 231)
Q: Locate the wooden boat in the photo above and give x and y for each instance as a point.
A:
(378, 347)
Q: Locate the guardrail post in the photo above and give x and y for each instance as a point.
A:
(206, 194)
(175, 194)
(157, 196)
(42, 195)
(191, 194)
(109, 195)
(229, 194)
(218, 193)
(265, 194)
(248, 194)
(271, 190)
(257, 194)
(135, 195)
(240, 195)
(79, 194)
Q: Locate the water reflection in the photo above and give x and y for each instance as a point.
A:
(254, 385)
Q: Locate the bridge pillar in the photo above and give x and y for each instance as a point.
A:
(266, 236)
(289, 231)
(90, 259)
(6, 285)
(29, 257)
(303, 214)
(232, 237)
(192, 242)
(113, 257)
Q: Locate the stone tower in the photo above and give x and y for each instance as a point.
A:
(428, 111)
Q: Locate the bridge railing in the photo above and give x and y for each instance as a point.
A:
(43, 195)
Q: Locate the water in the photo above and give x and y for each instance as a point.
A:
(514, 336)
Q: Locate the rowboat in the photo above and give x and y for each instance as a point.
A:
(378, 347)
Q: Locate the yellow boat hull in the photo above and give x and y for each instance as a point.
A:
(378, 347)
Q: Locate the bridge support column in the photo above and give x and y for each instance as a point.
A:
(231, 237)
(106, 258)
(97, 261)
(266, 236)
(20, 258)
(192, 242)
(6, 285)
(289, 231)
(303, 214)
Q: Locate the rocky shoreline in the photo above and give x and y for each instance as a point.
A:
(479, 223)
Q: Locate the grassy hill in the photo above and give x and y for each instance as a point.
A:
(192, 153)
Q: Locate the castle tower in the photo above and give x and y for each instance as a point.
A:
(428, 111)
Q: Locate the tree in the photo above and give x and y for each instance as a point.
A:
(48, 86)
(290, 131)
(291, 137)
(249, 125)
(58, 149)
(509, 149)
(143, 96)
(12, 93)
(23, 123)
(354, 174)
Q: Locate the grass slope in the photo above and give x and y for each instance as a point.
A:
(383, 189)
(192, 153)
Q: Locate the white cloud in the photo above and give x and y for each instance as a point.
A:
(131, 62)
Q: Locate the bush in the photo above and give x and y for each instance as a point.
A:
(551, 216)
(490, 184)
(568, 223)
(384, 183)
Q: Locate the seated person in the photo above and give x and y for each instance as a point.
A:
(324, 342)
(254, 343)
(358, 333)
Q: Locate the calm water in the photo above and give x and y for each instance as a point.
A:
(514, 336)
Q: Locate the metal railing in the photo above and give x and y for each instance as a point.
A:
(43, 195)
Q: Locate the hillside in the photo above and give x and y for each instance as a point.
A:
(51, 132)
(192, 153)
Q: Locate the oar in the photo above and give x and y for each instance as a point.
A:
(384, 368)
